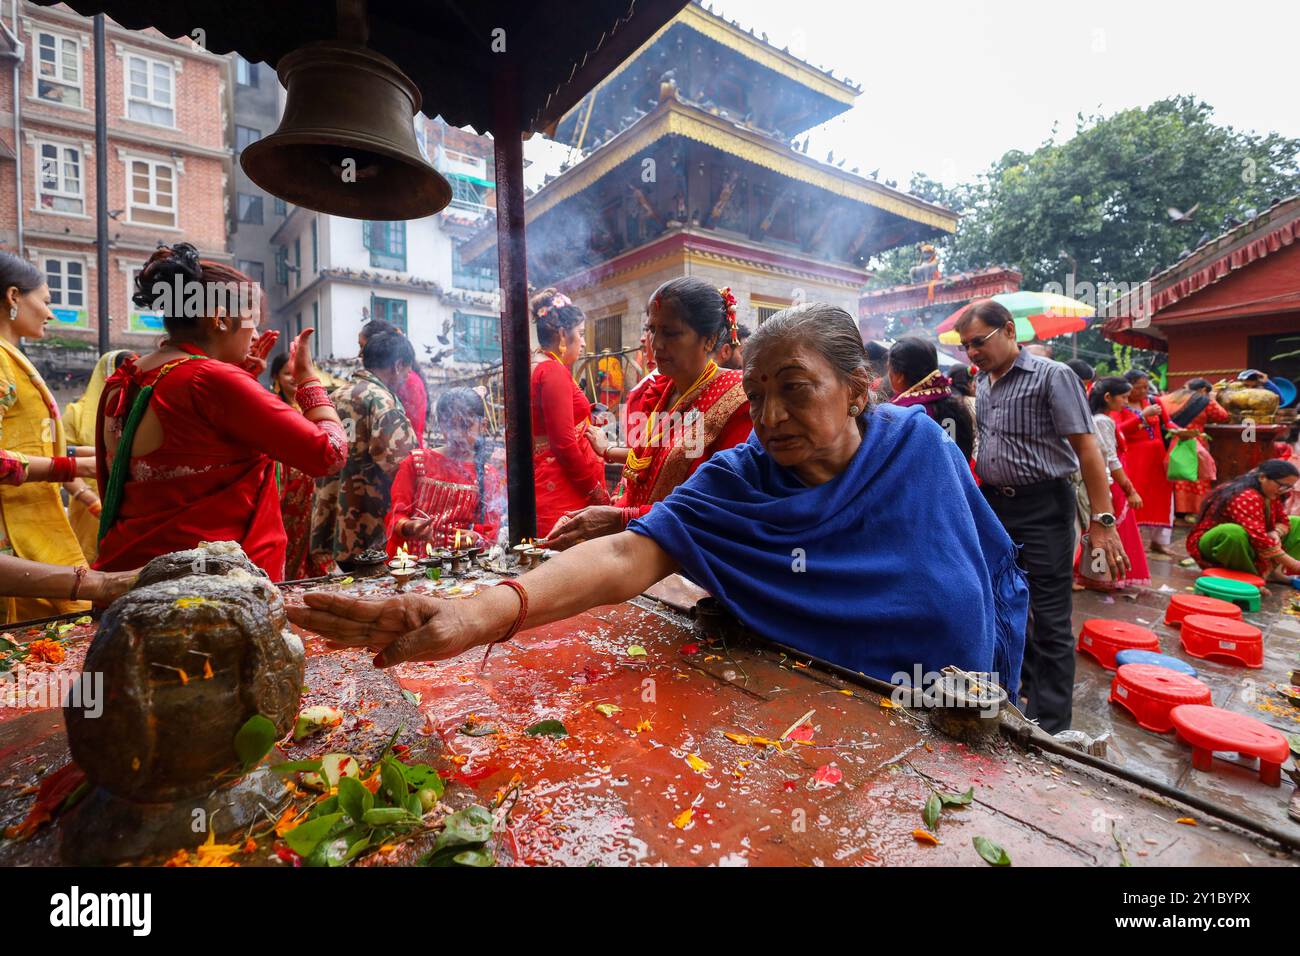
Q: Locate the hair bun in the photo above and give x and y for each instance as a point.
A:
(166, 263)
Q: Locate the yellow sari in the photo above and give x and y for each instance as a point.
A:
(79, 427)
(33, 524)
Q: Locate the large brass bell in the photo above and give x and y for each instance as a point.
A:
(346, 144)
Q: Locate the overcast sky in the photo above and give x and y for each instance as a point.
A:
(949, 86)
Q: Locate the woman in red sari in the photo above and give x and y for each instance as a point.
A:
(677, 419)
(438, 492)
(188, 440)
(1191, 408)
(1106, 398)
(567, 473)
(1144, 425)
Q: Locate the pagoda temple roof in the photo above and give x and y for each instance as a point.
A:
(1275, 228)
(811, 95)
(675, 117)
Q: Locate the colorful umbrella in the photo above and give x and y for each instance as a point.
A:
(1038, 315)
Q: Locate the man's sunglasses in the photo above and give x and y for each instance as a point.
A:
(977, 343)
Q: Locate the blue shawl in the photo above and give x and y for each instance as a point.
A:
(896, 566)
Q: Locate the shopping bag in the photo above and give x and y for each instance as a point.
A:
(1183, 464)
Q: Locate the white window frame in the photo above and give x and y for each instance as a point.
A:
(59, 191)
(127, 99)
(59, 39)
(45, 258)
(131, 205)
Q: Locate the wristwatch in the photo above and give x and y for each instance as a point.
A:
(1104, 518)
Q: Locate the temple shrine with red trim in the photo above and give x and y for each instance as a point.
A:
(1234, 303)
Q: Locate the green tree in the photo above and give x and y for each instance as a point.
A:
(1097, 205)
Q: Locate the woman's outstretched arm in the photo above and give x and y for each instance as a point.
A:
(412, 627)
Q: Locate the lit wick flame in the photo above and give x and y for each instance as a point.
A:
(403, 559)
(428, 549)
(455, 546)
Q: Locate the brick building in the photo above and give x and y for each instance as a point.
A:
(168, 159)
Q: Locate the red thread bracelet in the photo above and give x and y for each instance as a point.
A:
(519, 618)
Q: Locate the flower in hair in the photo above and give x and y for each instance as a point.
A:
(729, 304)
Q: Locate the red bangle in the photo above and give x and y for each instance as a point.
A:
(63, 468)
(312, 396)
(523, 609)
(309, 378)
(519, 619)
(81, 573)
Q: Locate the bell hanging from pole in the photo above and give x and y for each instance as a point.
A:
(346, 144)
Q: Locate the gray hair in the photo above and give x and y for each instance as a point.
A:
(827, 328)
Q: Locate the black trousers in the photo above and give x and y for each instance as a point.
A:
(1041, 522)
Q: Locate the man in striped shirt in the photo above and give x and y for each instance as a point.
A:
(1035, 431)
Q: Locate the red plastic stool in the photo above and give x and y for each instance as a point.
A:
(1103, 639)
(1209, 729)
(1242, 576)
(1220, 638)
(1149, 692)
(1181, 605)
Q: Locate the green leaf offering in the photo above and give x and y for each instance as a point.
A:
(434, 573)
(304, 838)
(636, 650)
(471, 825)
(392, 782)
(478, 730)
(992, 854)
(478, 857)
(957, 799)
(420, 776)
(547, 728)
(255, 739)
(933, 807)
(389, 817)
(354, 799)
(1293, 741)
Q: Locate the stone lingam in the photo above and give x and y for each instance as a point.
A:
(188, 656)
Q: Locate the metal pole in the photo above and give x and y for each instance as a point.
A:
(512, 262)
(101, 186)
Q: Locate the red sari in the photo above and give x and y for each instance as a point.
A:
(213, 477)
(447, 491)
(566, 470)
(679, 445)
(1146, 465)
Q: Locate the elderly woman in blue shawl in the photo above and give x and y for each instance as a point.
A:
(854, 535)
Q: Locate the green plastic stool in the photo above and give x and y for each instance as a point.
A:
(1245, 596)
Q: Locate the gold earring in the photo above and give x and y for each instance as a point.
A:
(854, 411)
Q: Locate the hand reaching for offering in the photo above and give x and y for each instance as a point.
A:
(575, 527)
(407, 627)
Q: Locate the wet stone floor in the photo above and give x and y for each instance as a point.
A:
(1245, 690)
(652, 745)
